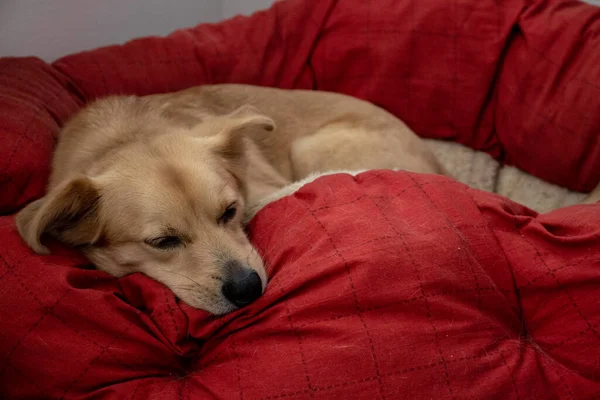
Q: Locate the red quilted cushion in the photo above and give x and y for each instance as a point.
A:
(34, 102)
(390, 285)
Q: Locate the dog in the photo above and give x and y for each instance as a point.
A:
(160, 184)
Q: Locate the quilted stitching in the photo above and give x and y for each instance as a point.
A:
(34, 101)
(385, 283)
(391, 285)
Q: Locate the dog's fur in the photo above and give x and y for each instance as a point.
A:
(176, 171)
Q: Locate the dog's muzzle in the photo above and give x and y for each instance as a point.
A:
(242, 284)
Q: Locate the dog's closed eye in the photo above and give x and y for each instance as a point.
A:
(165, 242)
(229, 214)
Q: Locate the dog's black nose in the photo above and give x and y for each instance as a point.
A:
(243, 286)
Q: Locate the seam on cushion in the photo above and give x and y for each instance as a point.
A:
(6, 264)
(501, 111)
(516, 289)
(548, 120)
(42, 108)
(404, 371)
(573, 303)
(40, 87)
(170, 310)
(182, 383)
(316, 41)
(405, 301)
(368, 309)
(525, 332)
(71, 86)
(512, 374)
(300, 345)
(344, 316)
(17, 148)
(123, 364)
(379, 240)
(466, 244)
(4, 274)
(515, 286)
(311, 52)
(24, 134)
(47, 311)
(354, 295)
(25, 182)
(137, 387)
(423, 296)
(77, 332)
(552, 270)
(541, 57)
(391, 196)
(562, 380)
(564, 341)
(28, 379)
(452, 227)
(562, 91)
(89, 366)
(558, 282)
(74, 88)
(278, 39)
(238, 368)
(395, 195)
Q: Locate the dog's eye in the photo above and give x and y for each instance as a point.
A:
(228, 214)
(165, 242)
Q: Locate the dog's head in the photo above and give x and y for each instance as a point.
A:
(170, 207)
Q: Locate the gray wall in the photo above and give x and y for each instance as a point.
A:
(53, 28)
(234, 7)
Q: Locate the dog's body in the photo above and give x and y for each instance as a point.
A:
(158, 184)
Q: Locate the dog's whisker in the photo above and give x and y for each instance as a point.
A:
(182, 275)
(188, 289)
(183, 286)
(225, 185)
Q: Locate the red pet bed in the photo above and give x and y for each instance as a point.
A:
(385, 285)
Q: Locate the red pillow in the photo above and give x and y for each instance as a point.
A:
(34, 102)
(390, 285)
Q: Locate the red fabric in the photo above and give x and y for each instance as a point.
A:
(34, 102)
(392, 285)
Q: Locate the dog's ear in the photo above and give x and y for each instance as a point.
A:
(238, 124)
(69, 212)
(232, 140)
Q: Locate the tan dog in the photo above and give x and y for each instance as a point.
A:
(159, 184)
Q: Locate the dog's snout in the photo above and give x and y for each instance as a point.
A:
(243, 285)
